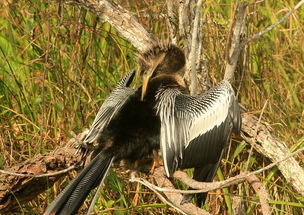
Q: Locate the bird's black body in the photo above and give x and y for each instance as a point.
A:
(191, 131)
(134, 131)
(132, 134)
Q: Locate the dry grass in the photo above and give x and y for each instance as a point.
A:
(58, 63)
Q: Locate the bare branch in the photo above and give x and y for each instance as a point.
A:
(174, 198)
(270, 146)
(208, 186)
(123, 21)
(23, 182)
(193, 51)
(160, 196)
(38, 176)
(260, 189)
(184, 16)
(256, 129)
(238, 206)
(237, 45)
(269, 28)
(235, 48)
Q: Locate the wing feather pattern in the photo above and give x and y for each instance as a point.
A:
(110, 107)
(194, 129)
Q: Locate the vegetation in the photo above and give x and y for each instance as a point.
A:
(59, 62)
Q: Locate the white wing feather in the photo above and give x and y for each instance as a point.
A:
(184, 117)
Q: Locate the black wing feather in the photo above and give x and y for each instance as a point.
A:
(111, 106)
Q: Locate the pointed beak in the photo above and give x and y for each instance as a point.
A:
(150, 73)
(145, 83)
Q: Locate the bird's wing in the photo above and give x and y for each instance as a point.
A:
(194, 129)
(110, 107)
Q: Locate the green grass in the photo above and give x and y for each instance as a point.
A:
(58, 63)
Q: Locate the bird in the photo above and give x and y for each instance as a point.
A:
(190, 131)
(194, 129)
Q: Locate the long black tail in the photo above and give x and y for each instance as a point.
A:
(72, 197)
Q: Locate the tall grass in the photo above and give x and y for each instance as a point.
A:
(59, 62)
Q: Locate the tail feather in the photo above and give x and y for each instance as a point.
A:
(72, 197)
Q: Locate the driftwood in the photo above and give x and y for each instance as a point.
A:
(254, 131)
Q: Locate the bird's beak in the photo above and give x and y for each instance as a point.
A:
(145, 83)
(150, 73)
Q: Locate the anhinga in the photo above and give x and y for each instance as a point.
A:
(190, 130)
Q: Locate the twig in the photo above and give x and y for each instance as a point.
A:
(269, 28)
(260, 189)
(208, 186)
(237, 205)
(38, 176)
(160, 196)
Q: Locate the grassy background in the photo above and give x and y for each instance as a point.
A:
(59, 62)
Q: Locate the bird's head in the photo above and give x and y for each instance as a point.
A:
(161, 59)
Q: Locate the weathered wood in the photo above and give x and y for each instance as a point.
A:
(261, 191)
(16, 190)
(235, 46)
(163, 181)
(123, 21)
(259, 135)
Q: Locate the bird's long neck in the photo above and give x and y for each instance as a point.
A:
(164, 81)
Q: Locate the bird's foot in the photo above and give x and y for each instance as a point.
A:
(136, 196)
(157, 161)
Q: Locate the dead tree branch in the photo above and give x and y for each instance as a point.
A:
(264, 143)
(235, 47)
(193, 51)
(23, 182)
(209, 186)
(123, 21)
(260, 189)
(5, 172)
(270, 146)
(174, 199)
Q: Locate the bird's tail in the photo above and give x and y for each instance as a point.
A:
(72, 197)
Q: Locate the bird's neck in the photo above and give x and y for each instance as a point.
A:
(164, 81)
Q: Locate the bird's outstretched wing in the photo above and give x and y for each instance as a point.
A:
(69, 201)
(194, 129)
(110, 107)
